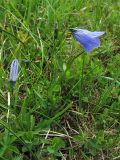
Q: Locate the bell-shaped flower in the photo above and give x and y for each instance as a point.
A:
(89, 40)
(14, 70)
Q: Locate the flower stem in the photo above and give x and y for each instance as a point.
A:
(81, 81)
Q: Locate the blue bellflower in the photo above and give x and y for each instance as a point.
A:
(14, 70)
(89, 40)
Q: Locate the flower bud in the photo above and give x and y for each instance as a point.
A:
(14, 70)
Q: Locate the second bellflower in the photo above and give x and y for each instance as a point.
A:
(14, 70)
(89, 40)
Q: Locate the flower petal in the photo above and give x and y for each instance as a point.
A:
(89, 33)
(88, 42)
(95, 34)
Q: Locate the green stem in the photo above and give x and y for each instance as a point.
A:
(81, 81)
(74, 58)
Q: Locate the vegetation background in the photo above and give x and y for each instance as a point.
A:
(63, 106)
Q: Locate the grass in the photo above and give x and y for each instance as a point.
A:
(63, 106)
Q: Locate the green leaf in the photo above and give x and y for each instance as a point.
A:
(56, 145)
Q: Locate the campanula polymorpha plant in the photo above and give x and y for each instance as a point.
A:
(89, 40)
(13, 71)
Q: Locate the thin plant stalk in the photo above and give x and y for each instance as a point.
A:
(8, 113)
(81, 81)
